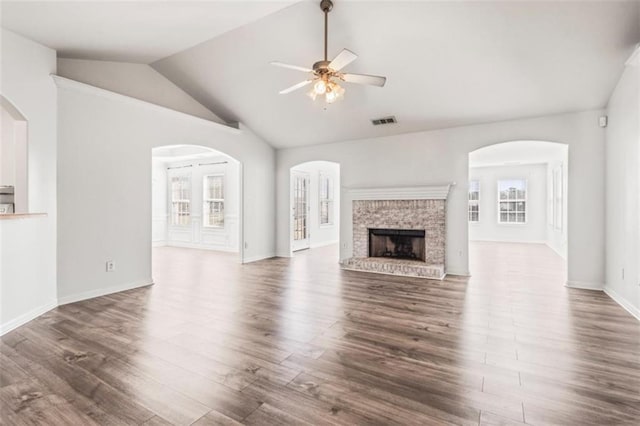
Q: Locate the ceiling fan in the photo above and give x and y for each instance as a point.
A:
(325, 73)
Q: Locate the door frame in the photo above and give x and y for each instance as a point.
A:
(297, 245)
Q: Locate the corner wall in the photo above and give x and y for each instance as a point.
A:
(441, 156)
(28, 246)
(623, 191)
(104, 185)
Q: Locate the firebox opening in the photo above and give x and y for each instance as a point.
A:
(397, 243)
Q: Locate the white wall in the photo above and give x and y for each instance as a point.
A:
(105, 143)
(195, 235)
(28, 246)
(159, 202)
(139, 81)
(322, 235)
(623, 191)
(441, 156)
(488, 228)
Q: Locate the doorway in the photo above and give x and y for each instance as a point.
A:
(518, 202)
(314, 205)
(196, 200)
(300, 211)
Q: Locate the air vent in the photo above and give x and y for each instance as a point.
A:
(385, 120)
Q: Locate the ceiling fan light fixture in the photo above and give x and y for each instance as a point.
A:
(320, 87)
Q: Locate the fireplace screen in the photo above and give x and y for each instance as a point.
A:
(397, 243)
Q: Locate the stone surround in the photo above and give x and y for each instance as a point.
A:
(424, 214)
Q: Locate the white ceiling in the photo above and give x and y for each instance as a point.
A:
(129, 31)
(519, 152)
(448, 64)
(174, 153)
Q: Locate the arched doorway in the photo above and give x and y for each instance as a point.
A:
(314, 205)
(197, 200)
(518, 203)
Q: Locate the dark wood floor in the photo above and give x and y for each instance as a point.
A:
(296, 341)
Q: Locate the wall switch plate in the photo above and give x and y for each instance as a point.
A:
(111, 266)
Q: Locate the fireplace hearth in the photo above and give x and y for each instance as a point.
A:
(406, 244)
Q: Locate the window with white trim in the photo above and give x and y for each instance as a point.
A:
(474, 201)
(213, 198)
(512, 201)
(180, 189)
(326, 200)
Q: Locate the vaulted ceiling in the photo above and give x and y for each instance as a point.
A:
(448, 63)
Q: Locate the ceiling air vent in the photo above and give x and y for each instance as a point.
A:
(385, 120)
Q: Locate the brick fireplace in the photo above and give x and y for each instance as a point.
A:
(404, 234)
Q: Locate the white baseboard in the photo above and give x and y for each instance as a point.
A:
(256, 258)
(158, 243)
(492, 240)
(26, 317)
(324, 244)
(201, 247)
(623, 302)
(72, 298)
(557, 250)
(583, 285)
(458, 273)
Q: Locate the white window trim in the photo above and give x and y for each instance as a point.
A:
(525, 200)
(205, 200)
(476, 202)
(331, 222)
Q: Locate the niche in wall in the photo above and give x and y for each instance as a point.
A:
(13, 156)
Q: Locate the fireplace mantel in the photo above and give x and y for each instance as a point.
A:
(429, 192)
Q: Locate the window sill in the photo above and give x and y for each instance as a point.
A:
(14, 216)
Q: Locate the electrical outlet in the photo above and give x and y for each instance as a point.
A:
(111, 266)
(623, 274)
(246, 245)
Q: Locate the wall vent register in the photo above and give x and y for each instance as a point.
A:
(385, 120)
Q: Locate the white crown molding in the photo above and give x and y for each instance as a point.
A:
(430, 192)
(67, 83)
(634, 59)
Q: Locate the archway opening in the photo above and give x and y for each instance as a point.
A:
(315, 208)
(196, 206)
(518, 207)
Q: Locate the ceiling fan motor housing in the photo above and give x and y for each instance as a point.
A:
(321, 67)
(326, 5)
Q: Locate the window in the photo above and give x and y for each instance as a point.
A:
(474, 200)
(326, 200)
(512, 200)
(180, 189)
(213, 198)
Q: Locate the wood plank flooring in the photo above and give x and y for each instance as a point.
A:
(299, 341)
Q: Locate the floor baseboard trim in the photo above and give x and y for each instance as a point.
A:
(65, 300)
(324, 244)
(26, 317)
(257, 258)
(582, 285)
(635, 312)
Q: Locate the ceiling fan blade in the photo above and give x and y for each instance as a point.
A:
(293, 67)
(296, 87)
(343, 59)
(371, 80)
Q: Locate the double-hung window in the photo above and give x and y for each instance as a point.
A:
(326, 200)
(180, 189)
(213, 214)
(474, 201)
(512, 201)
